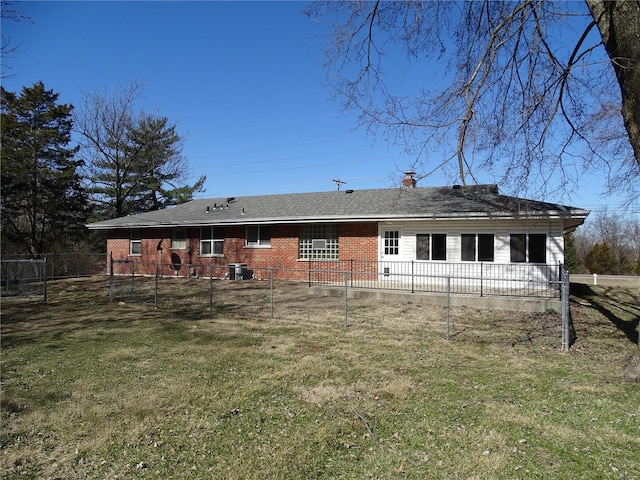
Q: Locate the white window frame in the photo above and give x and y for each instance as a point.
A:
(527, 247)
(212, 239)
(260, 239)
(476, 247)
(179, 242)
(430, 237)
(391, 242)
(135, 242)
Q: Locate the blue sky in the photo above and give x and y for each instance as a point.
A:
(243, 81)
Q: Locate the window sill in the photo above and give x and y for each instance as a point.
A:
(307, 260)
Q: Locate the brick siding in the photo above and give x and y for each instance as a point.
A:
(357, 241)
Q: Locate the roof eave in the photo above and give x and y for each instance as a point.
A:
(575, 214)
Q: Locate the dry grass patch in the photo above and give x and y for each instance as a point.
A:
(92, 389)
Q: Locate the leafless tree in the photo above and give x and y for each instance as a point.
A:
(621, 234)
(7, 49)
(134, 160)
(529, 93)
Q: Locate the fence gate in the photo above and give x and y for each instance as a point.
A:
(24, 278)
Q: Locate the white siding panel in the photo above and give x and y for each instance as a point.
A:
(503, 251)
(501, 229)
(555, 246)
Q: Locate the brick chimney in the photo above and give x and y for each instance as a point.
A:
(408, 181)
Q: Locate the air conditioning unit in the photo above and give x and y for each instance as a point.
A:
(238, 271)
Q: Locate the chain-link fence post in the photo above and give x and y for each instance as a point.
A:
(133, 276)
(346, 297)
(44, 279)
(565, 286)
(448, 322)
(211, 289)
(351, 271)
(50, 268)
(111, 278)
(271, 290)
(155, 290)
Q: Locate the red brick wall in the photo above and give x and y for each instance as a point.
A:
(357, 241)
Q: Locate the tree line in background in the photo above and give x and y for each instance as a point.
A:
(609, 244)
(126, 163)
(123, 162)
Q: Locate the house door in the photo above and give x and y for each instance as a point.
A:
(389, 251)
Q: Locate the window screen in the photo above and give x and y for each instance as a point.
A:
(258, 236)
(468, 247)
(422, 246)
(439, 246)
(135, 243)
(485, 247)
(537, 248)
(179, 239)
(212, 241)
(517, 244)
(431, 246)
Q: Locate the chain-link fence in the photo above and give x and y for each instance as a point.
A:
(225, 292)
(243, 291)
(24, 278)
(68, 265)
(481, 279)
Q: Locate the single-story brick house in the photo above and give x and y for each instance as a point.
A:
(426, 226)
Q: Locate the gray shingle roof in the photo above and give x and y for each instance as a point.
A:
(482, 201)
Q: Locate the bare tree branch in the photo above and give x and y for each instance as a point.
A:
(520, 87)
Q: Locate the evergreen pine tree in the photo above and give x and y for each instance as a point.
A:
(44, 205)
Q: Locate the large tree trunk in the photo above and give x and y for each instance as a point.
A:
(632, 370)
(619, 24)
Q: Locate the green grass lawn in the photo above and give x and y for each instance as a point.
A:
(92, 389)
